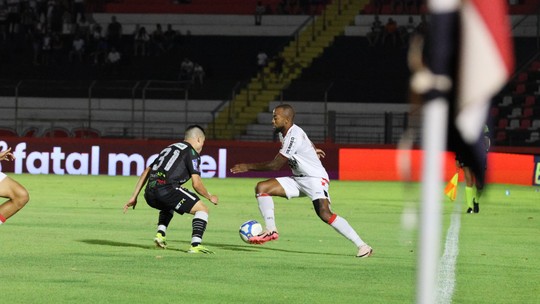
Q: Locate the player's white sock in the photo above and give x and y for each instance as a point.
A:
(344, 228)
(162, 228)
(266, 206)
(200, 219)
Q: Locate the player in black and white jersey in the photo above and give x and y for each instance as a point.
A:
(164, 179)
(309, 179)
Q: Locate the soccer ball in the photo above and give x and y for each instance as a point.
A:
(249, 229)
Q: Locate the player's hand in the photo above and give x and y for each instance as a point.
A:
(6, 155)
(130, 203)
(320, 153)
(239, 168)
(214, 199)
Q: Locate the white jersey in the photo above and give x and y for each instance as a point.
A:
(301, 153)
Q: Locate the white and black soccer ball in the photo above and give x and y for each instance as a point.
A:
(249, 229)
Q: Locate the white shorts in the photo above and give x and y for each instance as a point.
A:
(2, 176)
(312, 187)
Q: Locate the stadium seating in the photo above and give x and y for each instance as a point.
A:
(57, 132)
(7, 132)
(86, 133)
(236, 7)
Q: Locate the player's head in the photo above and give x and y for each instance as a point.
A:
(195, 136)
(282, 117)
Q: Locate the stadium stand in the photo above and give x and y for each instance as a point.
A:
(357, 72)
(57, 132)
(7, 132)
(85, 132)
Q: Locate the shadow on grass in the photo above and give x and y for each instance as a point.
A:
(231, 247)
(121, 244)
(262, 248)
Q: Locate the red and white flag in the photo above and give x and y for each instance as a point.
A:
(486, 62)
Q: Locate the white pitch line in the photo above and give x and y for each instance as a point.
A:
(447, 264)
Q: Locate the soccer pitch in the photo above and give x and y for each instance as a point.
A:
(73, 244)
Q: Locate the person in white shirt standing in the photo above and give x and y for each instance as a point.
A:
(309, 179)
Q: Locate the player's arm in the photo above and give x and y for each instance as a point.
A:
(198, 185)
(277, 163)
(6, 155)
(132, 202)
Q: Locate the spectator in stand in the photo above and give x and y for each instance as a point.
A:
(3, 21)
(37, 44)
(186, 70)
(57, 48)
(158, 40)
(46, 48)
(260, 9)
(41, 10)
(140, 41)
(67, 23)
(13, 17)
(114, 33)
(198, 74)
(78, 10)
(390, 31)
(422, 27)
(376, 31)
(407, 30)
(28, 21)
(113, 60)
(77, 49)
(262, 60)
(100, 52)
(56, 17)
(82, 28)
(94, 37)
(171, 37)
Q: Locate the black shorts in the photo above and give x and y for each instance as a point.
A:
(178, 199)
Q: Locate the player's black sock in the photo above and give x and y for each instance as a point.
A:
(165, 217)
(161, 232)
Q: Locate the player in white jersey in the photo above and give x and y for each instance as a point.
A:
(309, 179)
(15, 193)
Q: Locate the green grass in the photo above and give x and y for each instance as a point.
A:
(73, 244)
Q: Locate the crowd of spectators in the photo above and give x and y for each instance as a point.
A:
(394, 34)
(57, 33)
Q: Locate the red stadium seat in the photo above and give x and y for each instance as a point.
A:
(86, 133)
(56, 132)
(7, 132)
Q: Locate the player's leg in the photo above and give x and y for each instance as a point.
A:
(264, 192)
(340, 224)
(165, 217)
(198, 224)
(479, 183)
(15, 193)
(469, 188)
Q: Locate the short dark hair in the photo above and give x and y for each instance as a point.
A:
(195, 126)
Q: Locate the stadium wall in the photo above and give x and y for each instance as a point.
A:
(130, 157)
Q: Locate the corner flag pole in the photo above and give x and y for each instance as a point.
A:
(434, 144)
(434, 138)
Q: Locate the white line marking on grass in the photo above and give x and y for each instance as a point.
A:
(447, 264)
